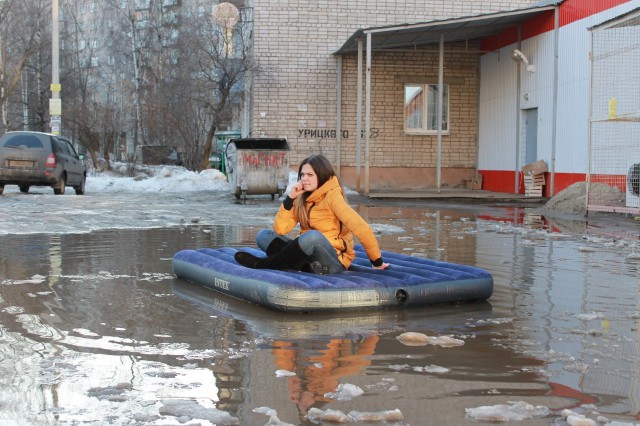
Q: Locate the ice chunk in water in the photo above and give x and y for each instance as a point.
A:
(345, 392)
(419, 339)
(517, 411)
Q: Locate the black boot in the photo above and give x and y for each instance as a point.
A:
(275, 246)
(289, 257)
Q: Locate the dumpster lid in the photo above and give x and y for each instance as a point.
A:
(260, 143)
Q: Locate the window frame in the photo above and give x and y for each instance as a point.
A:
(424, 129)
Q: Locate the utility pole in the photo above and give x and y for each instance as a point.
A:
(55, 103)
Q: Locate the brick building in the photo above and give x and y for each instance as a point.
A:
(302, 76)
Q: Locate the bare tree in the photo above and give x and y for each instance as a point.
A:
(177, 84)
(218, 61)
(21, 25)
(190, 75)
(84, 81)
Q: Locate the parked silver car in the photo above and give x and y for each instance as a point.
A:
(40, 159)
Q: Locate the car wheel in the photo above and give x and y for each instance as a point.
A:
(80, 188)
(24, 188)
(59, 190)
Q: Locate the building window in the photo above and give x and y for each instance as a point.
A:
(421, 108)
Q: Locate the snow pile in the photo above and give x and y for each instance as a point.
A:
(165, 179)
(573, 198)
(159, 179)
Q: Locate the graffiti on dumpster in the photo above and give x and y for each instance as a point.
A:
(331, 133)
(266, 159)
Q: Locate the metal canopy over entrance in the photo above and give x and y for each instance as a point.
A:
(417, 37)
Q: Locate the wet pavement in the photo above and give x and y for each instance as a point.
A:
(95, 328)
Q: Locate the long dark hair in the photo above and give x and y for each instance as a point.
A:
(324, 171)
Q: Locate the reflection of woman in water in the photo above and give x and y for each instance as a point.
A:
(320, 374)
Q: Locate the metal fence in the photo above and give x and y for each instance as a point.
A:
(613, 179)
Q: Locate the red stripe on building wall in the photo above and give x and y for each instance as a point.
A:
(565, 180)
(574, 10)
(503, 181)
(570, 11)
(498, 180)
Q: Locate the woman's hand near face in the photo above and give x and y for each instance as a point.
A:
(296, 190)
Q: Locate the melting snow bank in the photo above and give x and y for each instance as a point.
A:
(336, 416)
(158, 179)
(517, 411)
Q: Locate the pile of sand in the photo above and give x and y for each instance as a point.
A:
(573, 198)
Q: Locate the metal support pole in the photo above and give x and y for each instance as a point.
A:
(440, 112)
(359, 117)
(339, 117)
(552, 172)
(518, 84)
(55, 104)
(367, 115)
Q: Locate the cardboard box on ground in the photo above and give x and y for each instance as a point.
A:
(535, 168)
(534, 179)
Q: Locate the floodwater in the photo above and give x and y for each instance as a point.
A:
(95, 328)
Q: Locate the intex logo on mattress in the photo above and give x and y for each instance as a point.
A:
(221, 283)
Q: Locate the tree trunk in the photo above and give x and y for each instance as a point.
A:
(204, 164)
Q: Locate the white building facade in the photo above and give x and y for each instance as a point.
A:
(541, 113)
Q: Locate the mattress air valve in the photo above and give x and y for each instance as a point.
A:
(402, 296)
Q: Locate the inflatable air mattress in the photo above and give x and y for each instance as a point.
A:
(409, 282)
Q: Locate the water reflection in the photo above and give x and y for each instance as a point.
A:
(95, 326)
(306, 357)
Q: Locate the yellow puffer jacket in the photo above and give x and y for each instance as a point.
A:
(330, 214)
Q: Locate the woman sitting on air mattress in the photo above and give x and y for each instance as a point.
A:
(327, 225)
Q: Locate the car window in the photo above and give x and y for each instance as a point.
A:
(58, 148)
(28, 141)
(69, 148)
